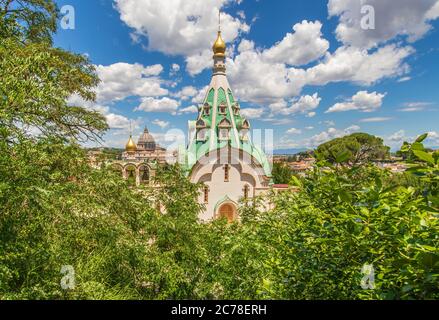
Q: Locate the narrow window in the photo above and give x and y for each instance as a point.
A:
(206, 194)
(226, 173)
(246, 191)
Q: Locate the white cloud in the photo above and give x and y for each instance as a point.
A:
(415, 106)
(301, 47)
(433, 13)
(376, 119)
(76, 100)
(162, 124)
(304, 105)
(392, 18)
(362, 101)
(346, 64)
(404, 79)
(328, 135)
(359, 66)
(196, 63)
(116, 121)
(396, 139)
(186, 93)
(309, 128)
(252, 113)
(199, 97)
(277, 122)
(328, 123)
(260, 81)
(190, 109)
(122, 80)
(432, 139)
(294, 131)
(175, 67)
(180, 27)
(165, 104)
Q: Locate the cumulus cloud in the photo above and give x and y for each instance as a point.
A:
(301, 47)
(346, 64)
(122, 80)
(180, 27)
(246, 71)
(433, 139)
(162, 124)
(190, 109)
(201, 94)
(392, 18)
(328, 135)
(294, 131)
(165, 104)
(252, 113)
(360, 66)
(196, 63)
(186, 93)
(362, 101)
(116, 121)
(304, 105)
(396, 139)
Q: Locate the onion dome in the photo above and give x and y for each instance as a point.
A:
(131, 145)
(219, 47)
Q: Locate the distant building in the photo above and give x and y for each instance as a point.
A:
(302, 167)
(139, 161)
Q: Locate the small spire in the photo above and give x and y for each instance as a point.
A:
(219, 47)
(219, 20)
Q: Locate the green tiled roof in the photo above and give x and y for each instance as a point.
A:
(198, 149)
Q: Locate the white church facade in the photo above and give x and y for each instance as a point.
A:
(220, 153)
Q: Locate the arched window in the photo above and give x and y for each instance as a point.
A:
(226, 173)
(144, 174)
(206, 194)
(246, 191)
(201, 135)
(224, 129)
(222, 109)
(206, 109)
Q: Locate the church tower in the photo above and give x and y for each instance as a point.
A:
(220, 153)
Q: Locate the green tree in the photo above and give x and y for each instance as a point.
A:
(281, 173)
(353, 149)
(28, 20)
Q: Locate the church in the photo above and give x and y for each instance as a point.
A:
(220, 153)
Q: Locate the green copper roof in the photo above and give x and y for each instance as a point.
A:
(219, 94)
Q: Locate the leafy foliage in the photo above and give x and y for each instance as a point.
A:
(147, 243)
(281, 173)
(353, 149)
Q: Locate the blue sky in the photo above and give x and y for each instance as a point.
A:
(306, 69)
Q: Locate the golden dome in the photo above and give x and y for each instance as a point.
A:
(219, 47)
(131, 145)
